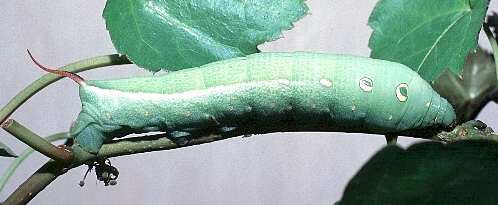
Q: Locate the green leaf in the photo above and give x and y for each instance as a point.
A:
(461, 172)
(428, 36)
(5, 151)
(178, 34)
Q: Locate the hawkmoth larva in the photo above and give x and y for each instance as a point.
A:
(346, 93)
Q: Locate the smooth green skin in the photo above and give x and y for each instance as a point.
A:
(264, 87)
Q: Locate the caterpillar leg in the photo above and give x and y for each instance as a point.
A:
(90, 139)
(179, 137)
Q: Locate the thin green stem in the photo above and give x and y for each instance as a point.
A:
(494, 45)
(36, 142)
(37, 182)
(25, 154)
(50, 171)
(391, 139)
(47, 79)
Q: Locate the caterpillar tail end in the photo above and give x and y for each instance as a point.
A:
(447, 115)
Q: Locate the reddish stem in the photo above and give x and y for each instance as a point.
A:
(73, 76)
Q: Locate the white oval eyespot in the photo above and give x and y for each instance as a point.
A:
(366, 84)
(402, 92)
(325, 82)
(283, 81)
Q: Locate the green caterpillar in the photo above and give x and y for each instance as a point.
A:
(353, 94)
